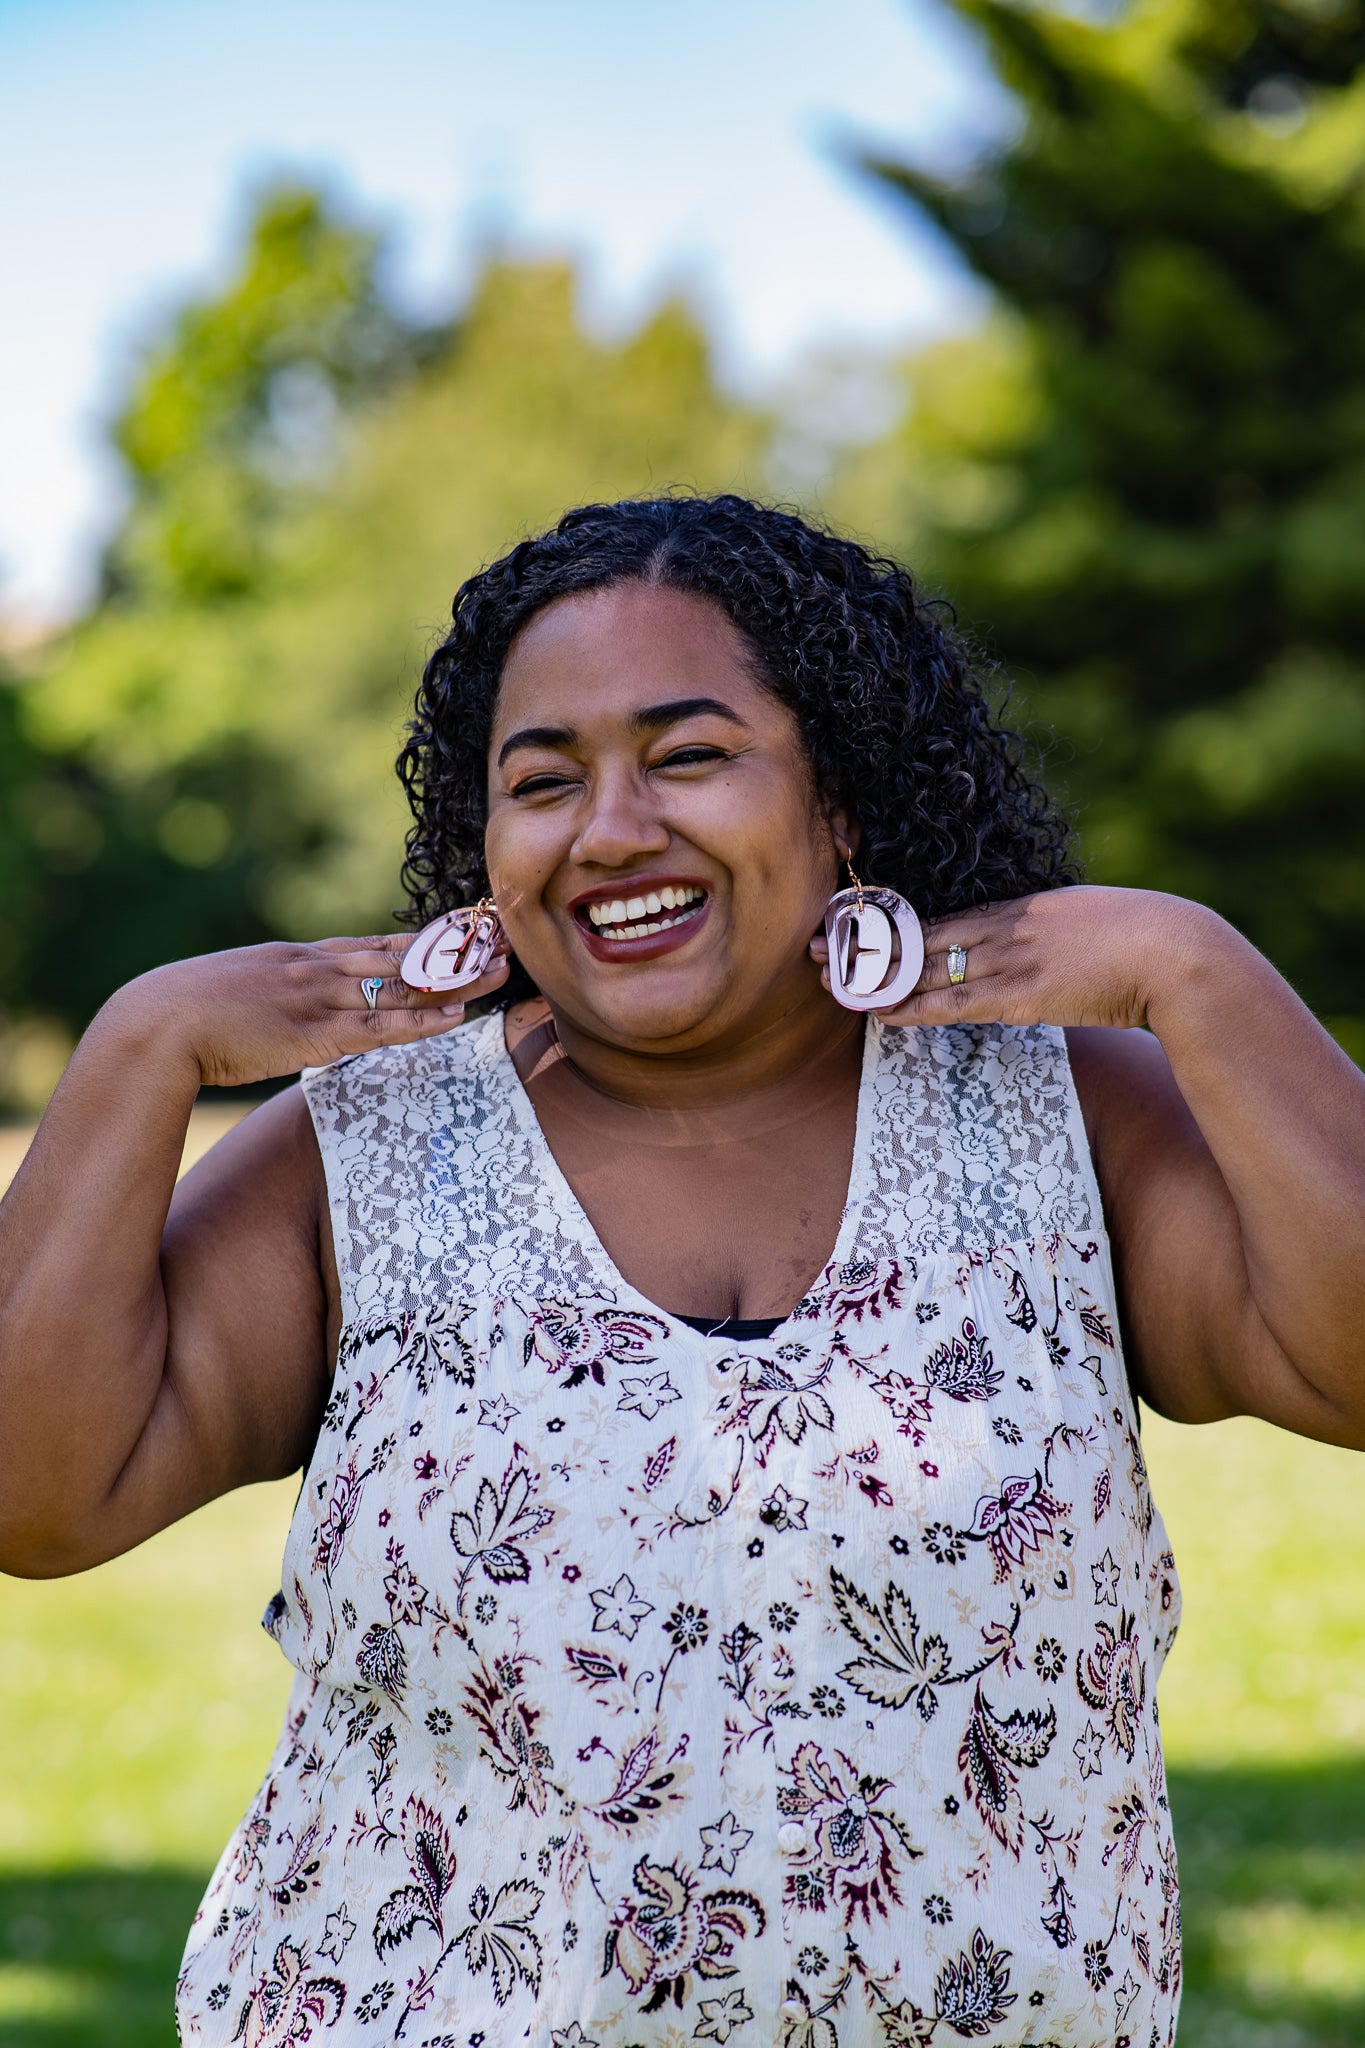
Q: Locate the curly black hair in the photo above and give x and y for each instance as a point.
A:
(895, 715)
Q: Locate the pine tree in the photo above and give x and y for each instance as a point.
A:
(1143, 480)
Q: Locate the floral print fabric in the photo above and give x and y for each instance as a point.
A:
(658, 1689)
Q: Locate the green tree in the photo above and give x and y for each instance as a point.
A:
(1143, 479)
(235, 411)
(209, 753)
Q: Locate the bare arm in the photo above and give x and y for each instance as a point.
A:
(1230, 1147)
(160, 1345)
(1229, 1139)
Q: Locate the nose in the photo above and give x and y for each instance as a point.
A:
(621, 825)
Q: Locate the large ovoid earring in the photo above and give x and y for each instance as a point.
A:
(876, 947)
(454, 949)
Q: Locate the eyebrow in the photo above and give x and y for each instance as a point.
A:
(650, 719)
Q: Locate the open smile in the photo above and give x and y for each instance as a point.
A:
(653, 918)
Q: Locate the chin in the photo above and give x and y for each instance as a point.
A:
(656, 1010)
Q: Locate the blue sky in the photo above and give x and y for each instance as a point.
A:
(665, 142)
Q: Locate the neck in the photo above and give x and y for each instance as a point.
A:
(811, 1042)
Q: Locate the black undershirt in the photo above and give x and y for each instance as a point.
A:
(734, 1329)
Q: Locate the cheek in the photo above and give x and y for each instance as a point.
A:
(521, 852)
(778, 850)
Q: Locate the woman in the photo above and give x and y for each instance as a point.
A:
(725, 1594)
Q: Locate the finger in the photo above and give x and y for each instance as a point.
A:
(987, 999)
(387, 943)
(431, 1011)
(383, 961)
(394, 995)
(968, 927)
(977, 962)
(382, 952)
(493, 976)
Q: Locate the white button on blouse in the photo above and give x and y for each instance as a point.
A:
(791, 1838)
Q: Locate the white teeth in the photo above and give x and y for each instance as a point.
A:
(619, 919)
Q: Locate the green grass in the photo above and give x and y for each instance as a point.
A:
(139, 1704)
(138, 1707)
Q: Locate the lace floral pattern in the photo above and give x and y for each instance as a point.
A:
(653, 1688)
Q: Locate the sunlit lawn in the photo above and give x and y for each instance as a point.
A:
(139, 1703)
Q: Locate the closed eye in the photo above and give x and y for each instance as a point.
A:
(698, 756)
(691, 757)
(540, 785)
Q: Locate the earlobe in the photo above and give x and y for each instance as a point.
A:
(843, 832)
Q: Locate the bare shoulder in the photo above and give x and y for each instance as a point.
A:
(1177, 1252)
(270, 1158)
(1123, 1079)
(251, 1285)
(1150, 1157)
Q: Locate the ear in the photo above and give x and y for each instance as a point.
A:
(843, 831)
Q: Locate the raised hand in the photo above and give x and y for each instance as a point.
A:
(1073, 956)
(262, 1011)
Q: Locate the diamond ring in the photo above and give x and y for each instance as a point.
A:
(957, 964)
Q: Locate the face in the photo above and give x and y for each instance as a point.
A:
(655, 843)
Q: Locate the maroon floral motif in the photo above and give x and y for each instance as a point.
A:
(962, 1367)
(909, 1403)
(670, 1929)
(855, 1842)
(1112, 1679)
(286, 2005)
(431, 1863)
(1016, 1522)
(972, 1994)
(491, 1535)
(588, 1341)
(863, 1291)
(994, 1750)
(507, 1723)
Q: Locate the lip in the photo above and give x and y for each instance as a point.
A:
(627, 950)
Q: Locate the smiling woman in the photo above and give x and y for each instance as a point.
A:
(883, 699)
(724, 1593)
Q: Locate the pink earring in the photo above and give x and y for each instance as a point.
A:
(863, 927)
(454, 949)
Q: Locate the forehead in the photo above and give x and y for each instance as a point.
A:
(607, 652)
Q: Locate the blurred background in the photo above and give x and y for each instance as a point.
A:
(312, 310)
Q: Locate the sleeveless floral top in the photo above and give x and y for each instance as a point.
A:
(654, 1689)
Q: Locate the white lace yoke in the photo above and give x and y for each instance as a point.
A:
(658, 1689)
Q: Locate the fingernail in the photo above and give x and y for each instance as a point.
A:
(452, 1009)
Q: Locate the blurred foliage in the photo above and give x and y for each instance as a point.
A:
(206, 759)
(1143, 481)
